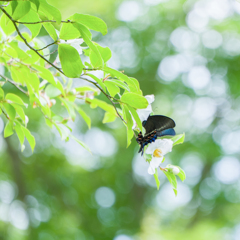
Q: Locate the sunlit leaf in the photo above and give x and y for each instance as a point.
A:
(54, 12)
(10, 110)
(178, 139)
(22, 8)
(112, 88)
(81, 143)
(29, 137)
(70, 60)
(91, 22)
(8, 130)
(51, 30)
(156, 179)
(136, 117)
(32, 16)
(14, 98)
(134, 100)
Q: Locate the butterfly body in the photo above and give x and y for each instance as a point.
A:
(155, 126)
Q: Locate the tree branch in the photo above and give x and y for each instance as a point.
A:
(46, 46)
(14, 84)
(44, 21)
(24, 39)
(59, 69)
(109, 97)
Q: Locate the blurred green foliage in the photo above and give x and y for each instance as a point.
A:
(61, 185)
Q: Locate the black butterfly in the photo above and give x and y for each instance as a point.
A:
(155, 126)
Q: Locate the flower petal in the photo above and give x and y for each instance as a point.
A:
(164, 144)
(153, 146)
(155, 163)
(150, 98)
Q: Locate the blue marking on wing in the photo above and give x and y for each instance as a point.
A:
(167, 132)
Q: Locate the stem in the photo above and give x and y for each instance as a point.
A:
(58, 69)
(46, 46)
(109, 97)
(44, 21)
(14, 84)
(24, 39)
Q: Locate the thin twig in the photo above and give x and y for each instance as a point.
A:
(46, 46)
(24, 39)
(109, 97)
(13, 83)
(50, 53)
(44, 21)
(5, 113)
(59, 69)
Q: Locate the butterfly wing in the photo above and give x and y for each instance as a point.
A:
(158, 123)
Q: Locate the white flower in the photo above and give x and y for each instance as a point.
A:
(144, 113)
(158, 149)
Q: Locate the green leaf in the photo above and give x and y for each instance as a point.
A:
(68, 32)
(51, 30)
(20, 133)
(70, 60)
(108, 117)
(10, 110)
(19, 111)
(105, 106)
(25, 35)
(87, 89)
(105, 52)
(7, 25)
(52, 91)
(21, 10)
(178, 139)
(1, 93)
(134, 100)
(8, 131)
(69, 107)
(91, 22)
(156, 178)
(62, 131)
(29, 137)
(81, 143)
(117, 74)
(128, 119)
(112, 88)
(33, 80)
(96, 59)
(172, 180)
(181, 174)
(118, 83)
(36, 2)
(14, 98)
(99, 81)
(85, 117)
(54, 12)
(136, 117)
(47, 75)
(134, 86)
(14, 5)
(32, 16)
(10, 52)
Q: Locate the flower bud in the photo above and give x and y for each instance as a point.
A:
(26, 119)
(175, 170)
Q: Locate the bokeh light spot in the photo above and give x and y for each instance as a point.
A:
(105, 197)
